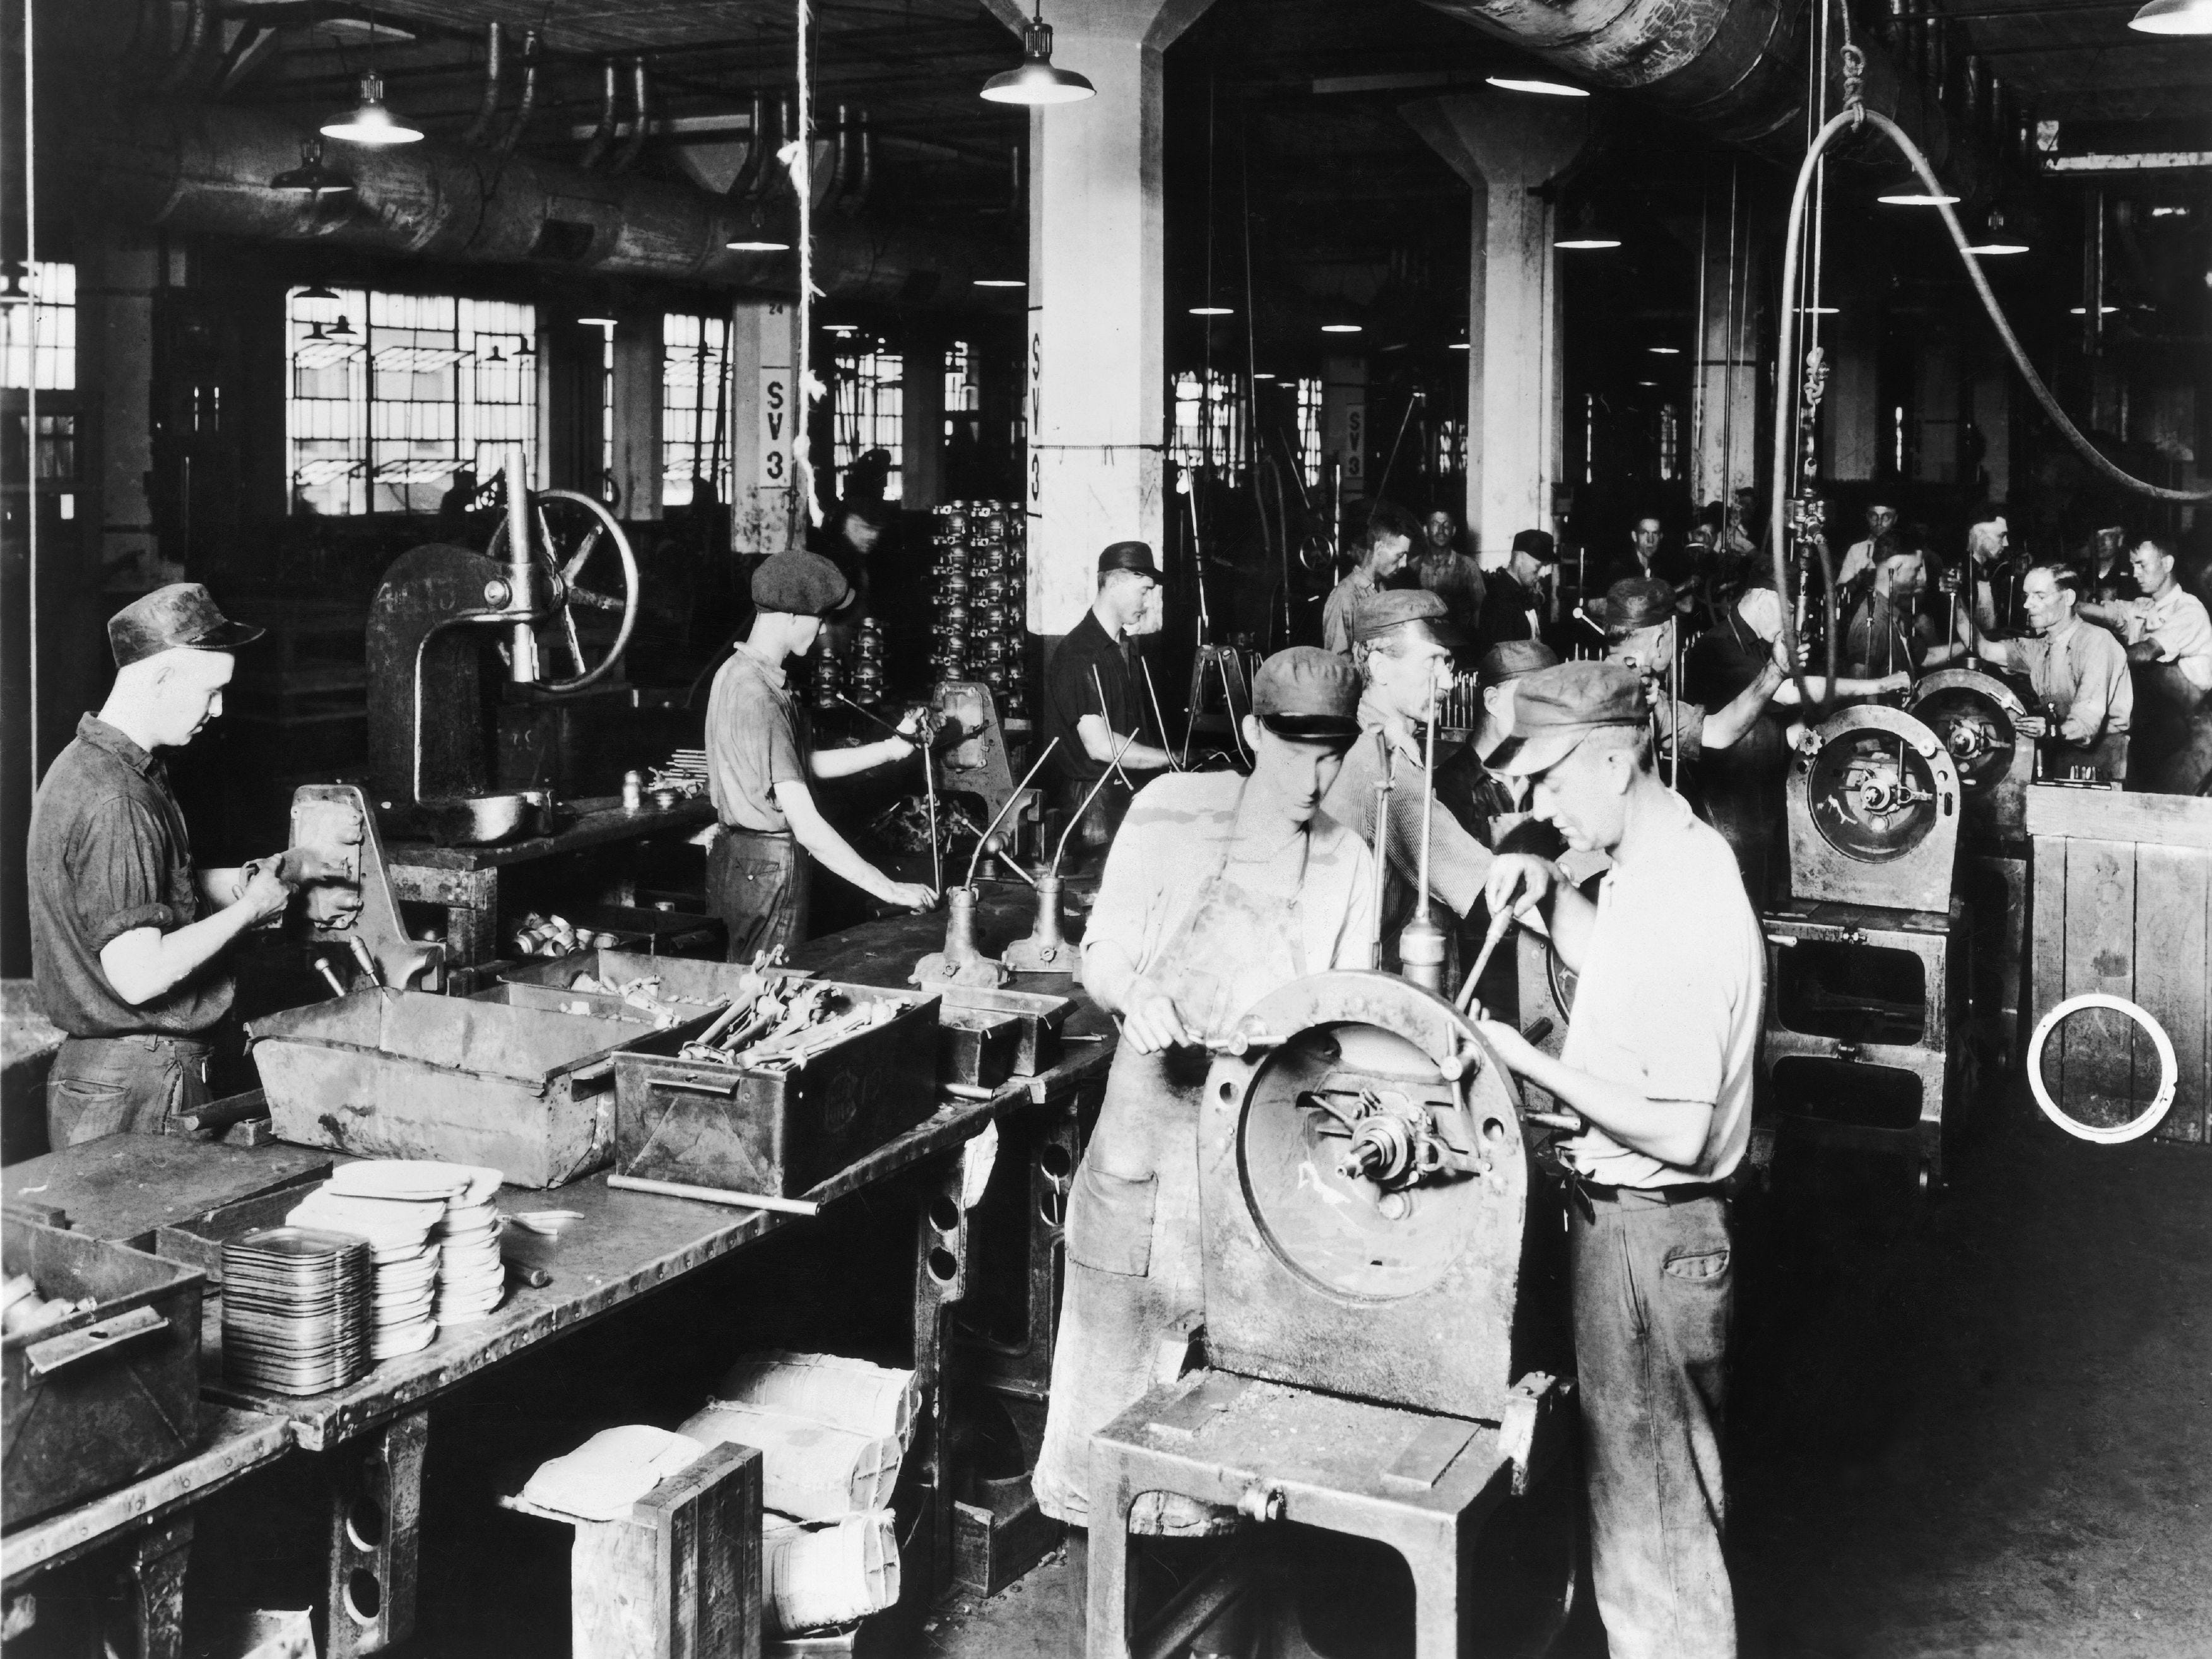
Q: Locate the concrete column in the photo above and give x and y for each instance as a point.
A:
(1343, 434)
(1990, 408)
(1725, 378)
(1939, 401)
(1506, 148)
(1097, 414)
(637, 415)
(1851, 409)
(921, 412)
(763, 403)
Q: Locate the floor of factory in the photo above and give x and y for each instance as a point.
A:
(1984, 1428)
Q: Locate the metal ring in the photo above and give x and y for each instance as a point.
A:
(2169, 1073)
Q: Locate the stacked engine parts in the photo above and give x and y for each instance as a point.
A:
(979, 570)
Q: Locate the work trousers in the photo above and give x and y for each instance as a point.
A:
(1652, 1289)
(122, 1085)
(760, 886)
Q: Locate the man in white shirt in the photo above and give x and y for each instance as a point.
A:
(1658, 1063)
(1385, 545)
(1858, 557)
(2078, 671)
(2169, 639)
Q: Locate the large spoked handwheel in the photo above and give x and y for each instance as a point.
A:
(572, 531)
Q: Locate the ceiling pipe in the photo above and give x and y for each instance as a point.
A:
(745, 184)
(187, 55)
(527, 102)
(864, 169)
(488, 111)
(603, 135)
(202, 169)
(841, 166)
(626, 157)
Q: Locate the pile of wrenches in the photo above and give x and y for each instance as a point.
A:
(783, 1026)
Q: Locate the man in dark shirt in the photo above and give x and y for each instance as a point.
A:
(1099, 702)
(1887, 634)
(126, 936)
(1513, 607)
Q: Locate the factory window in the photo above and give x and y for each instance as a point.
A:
(695, 373)
(868, 411)
(1451, 448)
(963, 396)
(1310, 431)
(38, 339)
(1670, 443)
(1209, 421)
(607, 486)
(389, 395)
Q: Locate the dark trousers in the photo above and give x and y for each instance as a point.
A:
(760, 887)
(122, 1085)
(1652, 1295)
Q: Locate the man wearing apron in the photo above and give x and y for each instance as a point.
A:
(128, 940)
(1218, 890)
(760, 768)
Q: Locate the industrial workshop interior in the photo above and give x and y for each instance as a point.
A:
(1105, 828)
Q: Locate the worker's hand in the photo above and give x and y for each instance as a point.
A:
(1896, 685)
(298, 866)
(264, 893)
(1518, 883)
(1515, 1052)
(911, 895)
(2031, 726)
(1149, 1020)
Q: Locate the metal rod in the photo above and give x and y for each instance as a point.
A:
(1159, 720)
(1428, 801)
(1061, 851)
(1383, 787)
(522, 667)
(998, 817)
(929, 791)
(1500, 925)
(714, 1195)
(1106, 721)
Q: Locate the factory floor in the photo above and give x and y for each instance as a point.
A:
(1984, 1428)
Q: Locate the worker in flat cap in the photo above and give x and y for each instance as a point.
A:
(1402, 642)
(1517, 601)
(1888, 632)
(762, 768)
(1219, 889)
(1099, 701)
(1657, 1067)
(128, 939)
(1386, 543)
(1494, 805)
(1742, 785)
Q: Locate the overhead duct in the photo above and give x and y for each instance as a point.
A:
(203, 170)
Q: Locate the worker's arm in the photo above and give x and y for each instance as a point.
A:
(1846, 688)
(1520, 882)
(826, 763)
(146, 963)
(1725, 727)
(1149, 1020)
(1672, 1131)
(1099, 742)
(795, 801)
(1999, 652)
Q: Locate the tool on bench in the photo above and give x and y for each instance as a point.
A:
(714, 1195)
(1500, 926)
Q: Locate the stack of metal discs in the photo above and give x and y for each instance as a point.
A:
(296, 1317)
(868, 662)
(980, 578)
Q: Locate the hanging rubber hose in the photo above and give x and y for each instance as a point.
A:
(1854, 115)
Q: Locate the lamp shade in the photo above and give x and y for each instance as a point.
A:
(311, 177)
(368, 122)
(2174, 17)
(1034, 81)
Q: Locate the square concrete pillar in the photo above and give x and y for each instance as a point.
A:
(637, 416)
(1097, 357)
(763, 407)
(1508, 148)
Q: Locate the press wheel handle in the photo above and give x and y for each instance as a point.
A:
(75, 1349)
(567, 566)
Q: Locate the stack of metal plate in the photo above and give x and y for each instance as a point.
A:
(296, 1316)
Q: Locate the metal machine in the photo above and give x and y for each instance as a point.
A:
(440, 720)
(1976, 718)
(1874, 804)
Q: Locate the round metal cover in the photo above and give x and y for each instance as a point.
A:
(1973, 715)
(2102, 1069)
(1338, 1232)
(1874, 796)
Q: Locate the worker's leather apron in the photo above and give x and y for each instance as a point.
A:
(122, 1085)
(760, 886)
(1136, 1278)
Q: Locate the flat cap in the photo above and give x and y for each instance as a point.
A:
(1307, 693)
(1631, 603)
(1510, 659)
(1377, 614)
(805, 584)
(183, 614)
(1555, 708)
(1129, 555)
(1536, 542)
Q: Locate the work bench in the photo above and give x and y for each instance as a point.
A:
(370, 1437)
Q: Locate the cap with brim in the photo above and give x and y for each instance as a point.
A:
(1403, 609)
(181, 616)
(1631, 603)
(1128, 556)
(1555, 708)
(1308, 695)
(800, 583)
(1512, 660)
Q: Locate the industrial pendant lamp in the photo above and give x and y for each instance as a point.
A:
(1035, 81)
(311, 178)
(1996, 238)
(757, 235)
(368, 122)
(2174, 17)
(1587, 233)
(1901, 186)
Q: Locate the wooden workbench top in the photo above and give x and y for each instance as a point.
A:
(600, 821)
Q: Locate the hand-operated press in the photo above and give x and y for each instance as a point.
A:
(1867, 961)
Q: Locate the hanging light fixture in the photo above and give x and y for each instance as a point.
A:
(1211, 311)
(527, 348)
(1340, 328)
(368, 122)
(598, 322)
(315, 332)
(757, 235)
(497, 354)
(1996, 238)
(1000, 281)
(2174, 17)
(1587, 233)
(1664, 351)
(343, 330)
(315, 291)
(1901, 186)
(1531, 83)
(311, 178)
(1035, 81)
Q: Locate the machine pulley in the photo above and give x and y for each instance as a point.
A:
(1976, 718)
(1874, 800)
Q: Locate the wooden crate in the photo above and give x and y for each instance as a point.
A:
(2122, 903)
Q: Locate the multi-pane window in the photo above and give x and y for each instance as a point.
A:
(963, 396)
(391, 395)
(1451, 448)
(868, 411)
(695, 373)
(38, 337)
(1310, 431)
(1209, 421)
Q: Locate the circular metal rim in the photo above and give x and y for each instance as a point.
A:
(1972, 682)
(1858, 721)
(2169, 1071)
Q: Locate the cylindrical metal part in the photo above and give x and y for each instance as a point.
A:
(1421, 947)
(522, 667)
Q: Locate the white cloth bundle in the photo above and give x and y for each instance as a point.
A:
(811, 1577)
(809, 1469)
(845, 1393)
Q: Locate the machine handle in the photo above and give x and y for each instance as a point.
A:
(701, 1086)
(57, 1354)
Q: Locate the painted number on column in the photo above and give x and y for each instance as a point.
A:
(1355, 445)
(776, 404)
(1037, 407)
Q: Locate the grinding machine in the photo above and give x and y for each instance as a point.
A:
(1868, 993)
